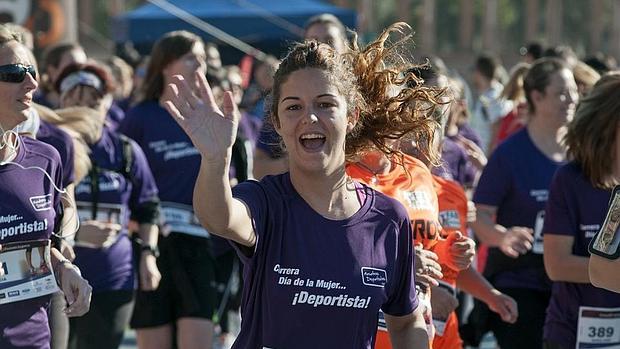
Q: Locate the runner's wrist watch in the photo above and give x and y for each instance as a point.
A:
(154, 250)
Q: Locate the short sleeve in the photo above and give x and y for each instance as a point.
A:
(144, 189)
(559, 217)
(68, 163)
(403, 299)
(494, 182)
(57, 175)
(253, 195)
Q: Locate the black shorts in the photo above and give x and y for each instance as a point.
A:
(187, 286)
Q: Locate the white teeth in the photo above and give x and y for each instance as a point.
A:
(312, 136)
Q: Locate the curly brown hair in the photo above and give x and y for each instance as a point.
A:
(367, 78)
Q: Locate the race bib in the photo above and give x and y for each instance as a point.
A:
(598, 328)
(177, 218)
(537, 246)
(26, 271)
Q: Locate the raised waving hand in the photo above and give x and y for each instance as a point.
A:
(211, 129)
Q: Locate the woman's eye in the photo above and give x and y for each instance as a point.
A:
(293, 107)
(326, 105)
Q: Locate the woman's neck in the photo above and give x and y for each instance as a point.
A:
(547, 138)
(332, 195)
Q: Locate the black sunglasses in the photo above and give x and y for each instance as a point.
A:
(16, 72)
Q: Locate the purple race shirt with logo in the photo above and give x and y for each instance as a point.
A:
(575, 209)
(174, 160)
(111, 268)
(516, 180)
(60, 140)
(313, 282)
(28, 208)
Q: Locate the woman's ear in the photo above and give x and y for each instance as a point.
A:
(353, 120)
(537, 96)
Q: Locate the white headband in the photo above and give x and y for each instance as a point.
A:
(81, 78)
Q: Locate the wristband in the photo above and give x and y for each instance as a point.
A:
(154, 250)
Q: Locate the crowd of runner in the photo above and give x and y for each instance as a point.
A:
(345, 196)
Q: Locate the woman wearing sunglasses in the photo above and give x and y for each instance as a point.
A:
(30, 209)
(119, 186)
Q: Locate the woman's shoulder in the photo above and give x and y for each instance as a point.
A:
(570, 171)
(145, 108)
(387, 206)
(40, 150)
(272, 186)
(514, 143)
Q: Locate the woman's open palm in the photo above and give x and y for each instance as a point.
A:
(211, 129)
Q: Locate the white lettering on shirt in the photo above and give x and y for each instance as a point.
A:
(589, 230)
(174, 150)
(23, 228)
(340, 301)
(541, 195)
(41, 202)
(10, 218)
(285, 271)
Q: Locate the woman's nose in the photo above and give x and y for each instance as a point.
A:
(30, 82)
(313, 118)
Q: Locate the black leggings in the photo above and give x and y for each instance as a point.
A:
(104, 325)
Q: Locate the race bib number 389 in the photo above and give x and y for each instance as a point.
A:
(598, 328)
(25, 271)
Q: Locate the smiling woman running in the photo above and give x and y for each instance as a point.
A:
(322, 253)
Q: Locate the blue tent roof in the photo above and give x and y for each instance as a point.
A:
(239, 18)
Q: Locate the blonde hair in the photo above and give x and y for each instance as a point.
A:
(585, 76)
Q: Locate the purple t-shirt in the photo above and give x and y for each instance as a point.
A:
(313, 282)
(28, 208)
(60, 140)
(516, 180)
(466, 131)
(455, 164)
(112, 268)
(174, 160)
(114, 116)
(575, 209)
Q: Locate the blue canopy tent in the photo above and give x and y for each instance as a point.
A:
(243, 19)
